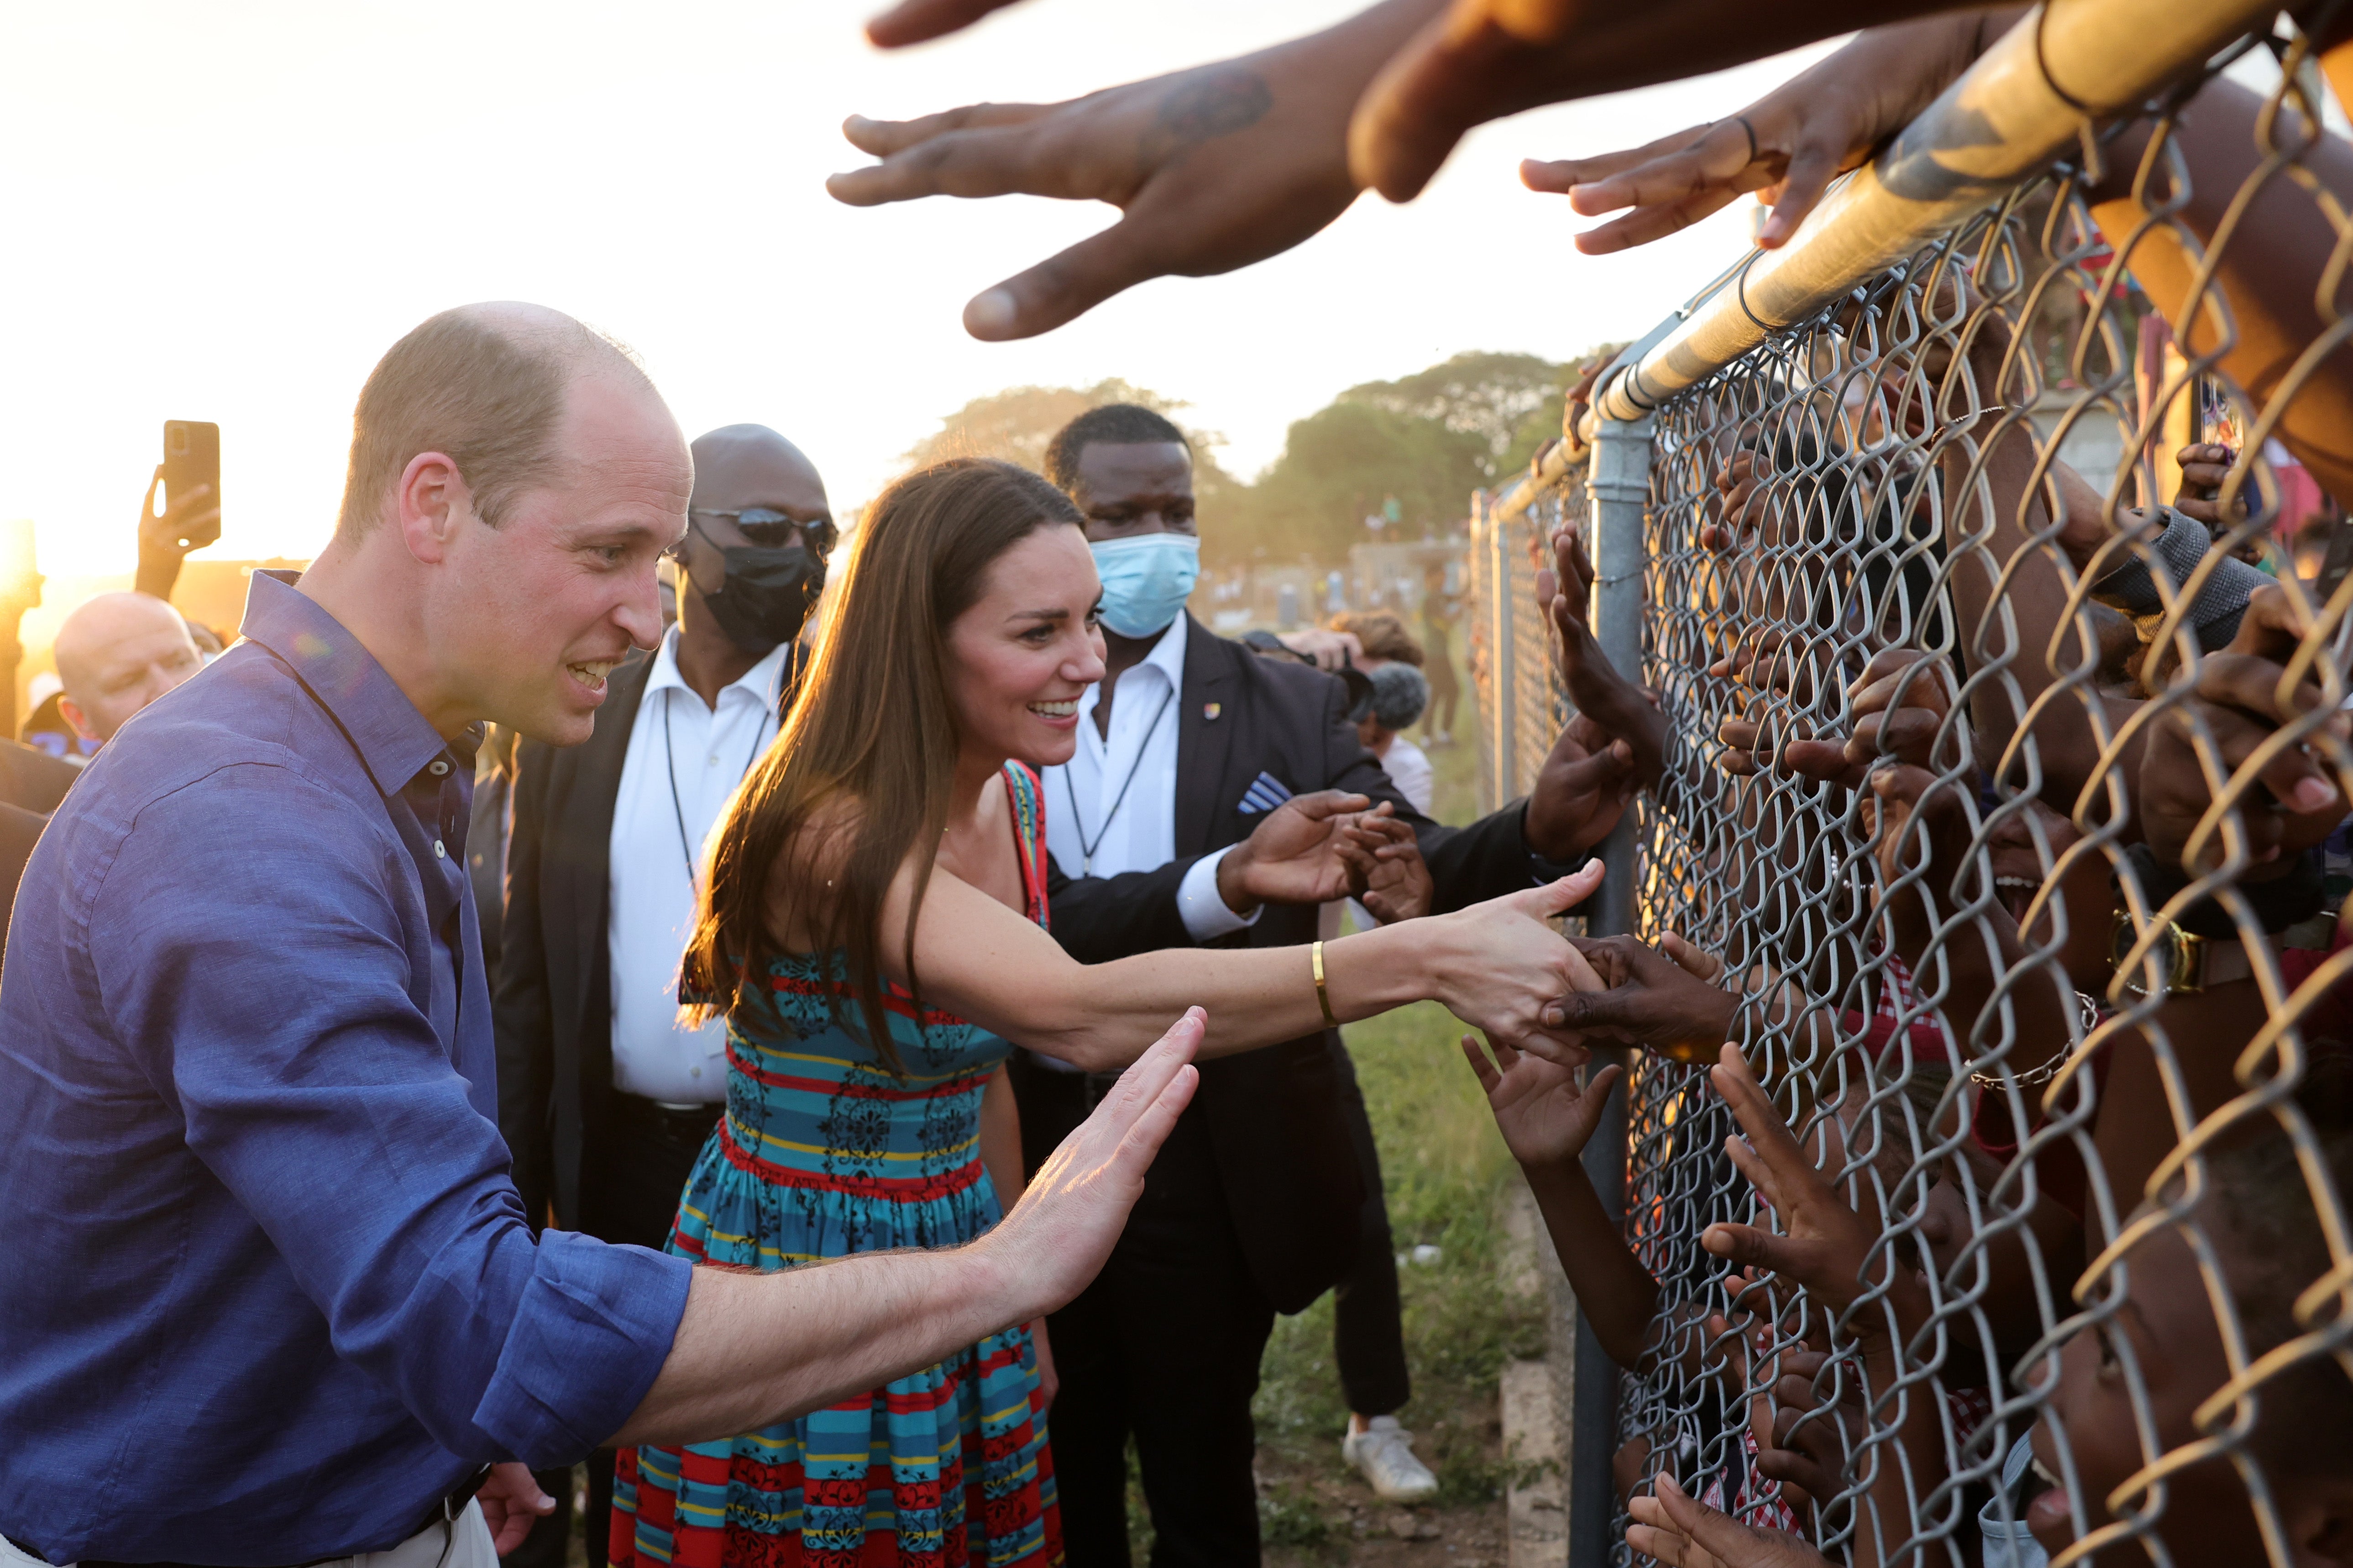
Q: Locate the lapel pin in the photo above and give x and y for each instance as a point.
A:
(1212, 709)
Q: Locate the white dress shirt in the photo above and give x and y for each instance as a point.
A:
(1084, 805)
(683, 762)
(1407, 766)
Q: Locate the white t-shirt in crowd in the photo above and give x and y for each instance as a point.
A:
(1408, 768)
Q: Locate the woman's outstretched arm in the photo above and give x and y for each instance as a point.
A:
(1494, 965)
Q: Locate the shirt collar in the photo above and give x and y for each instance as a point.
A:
(1168, 655)
(393, 739)
(759, 681)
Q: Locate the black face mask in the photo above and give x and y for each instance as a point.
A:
(766, 594)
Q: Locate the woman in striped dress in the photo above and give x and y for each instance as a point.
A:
(872, 926)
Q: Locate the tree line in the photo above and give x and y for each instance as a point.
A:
(1412, 450)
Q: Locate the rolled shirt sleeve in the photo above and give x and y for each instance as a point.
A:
(313, 1087)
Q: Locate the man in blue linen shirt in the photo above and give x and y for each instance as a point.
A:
(272, 1298)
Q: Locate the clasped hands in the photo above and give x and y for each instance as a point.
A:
(1327, 845)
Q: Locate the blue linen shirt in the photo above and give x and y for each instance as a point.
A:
(270, 1291)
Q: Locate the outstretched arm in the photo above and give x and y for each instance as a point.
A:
(1495, 964)
(755, 1349)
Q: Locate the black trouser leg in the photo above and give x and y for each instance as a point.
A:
(1192, 1325)
(1164, 1344)
(629, 1188)
(1088, 1426)
(1368, 1326)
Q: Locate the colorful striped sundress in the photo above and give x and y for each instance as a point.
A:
(824, 1152)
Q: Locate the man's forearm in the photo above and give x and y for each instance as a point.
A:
(757, 1349)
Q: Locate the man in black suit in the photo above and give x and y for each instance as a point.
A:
(604, 1100)
(1253, 1206)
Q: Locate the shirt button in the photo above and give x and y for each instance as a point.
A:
(438, 852)
(436, 767)
(696, 1071)
(712, 758)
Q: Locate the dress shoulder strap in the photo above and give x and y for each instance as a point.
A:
(1027, 795)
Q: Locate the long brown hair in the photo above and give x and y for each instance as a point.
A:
(874, 727)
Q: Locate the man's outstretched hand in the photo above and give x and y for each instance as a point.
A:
(1057, 1238)
(1211, 168)
(1295, 855)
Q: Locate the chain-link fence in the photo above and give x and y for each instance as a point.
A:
(1995, 593)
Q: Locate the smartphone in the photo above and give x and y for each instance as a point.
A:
(192, 457)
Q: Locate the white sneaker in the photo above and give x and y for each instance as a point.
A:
(1384, 1452)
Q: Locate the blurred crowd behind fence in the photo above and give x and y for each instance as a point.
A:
(1859, 446)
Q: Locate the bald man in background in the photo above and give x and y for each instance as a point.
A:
(116, 653)
(603, 1097)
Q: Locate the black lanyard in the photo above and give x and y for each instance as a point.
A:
(669, 755)
(1143, 749)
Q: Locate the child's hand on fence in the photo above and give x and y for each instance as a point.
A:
(2243, 697)
(1664, 1002)
(1672, 1526)
(1622, 710)
(1545, 1117)
(1923, 831)
(2204, 465)
(1803, 1436)
(1825, 1245)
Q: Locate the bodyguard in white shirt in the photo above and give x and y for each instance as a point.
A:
(604, 1098)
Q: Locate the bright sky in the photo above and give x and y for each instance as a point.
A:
(228, 212)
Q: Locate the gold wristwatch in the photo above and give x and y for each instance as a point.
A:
(2190, 962)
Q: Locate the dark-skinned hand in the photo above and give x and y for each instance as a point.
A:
(1900, 702)
(1675, 1528)
(1619, 708)
(2242, 698)
(1545, 1116)
(1292, 855)
(1824, 1245)
(1212, 168)
(1386, 871)
(1827, 120)
(1663, 1000)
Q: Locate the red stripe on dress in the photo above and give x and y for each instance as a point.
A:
(897, 1189)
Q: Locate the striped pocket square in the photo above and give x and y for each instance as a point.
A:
(1266, 791)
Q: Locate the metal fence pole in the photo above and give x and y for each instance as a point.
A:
(1505, 732)
(1618, 488)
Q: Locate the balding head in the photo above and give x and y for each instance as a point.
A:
(485, 385)
(118, 653)
(738, 466)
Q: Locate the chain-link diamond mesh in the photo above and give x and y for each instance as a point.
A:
(1960, 659)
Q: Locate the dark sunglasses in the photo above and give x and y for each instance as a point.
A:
(766, 526)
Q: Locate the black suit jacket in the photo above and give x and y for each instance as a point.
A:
(1275, 1119)
(553, 1003)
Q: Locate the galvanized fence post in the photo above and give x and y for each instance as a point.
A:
(1504, 734)
(1617, 486)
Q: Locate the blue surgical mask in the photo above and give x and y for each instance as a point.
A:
(1145, 580)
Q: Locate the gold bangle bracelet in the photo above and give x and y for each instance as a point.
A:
(1323, 996)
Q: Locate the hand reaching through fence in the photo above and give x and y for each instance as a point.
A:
(1663, 1000)
(1786, 147)
(1671, 1527)
(1212, 168)
(1598, 690)
(2243, 697)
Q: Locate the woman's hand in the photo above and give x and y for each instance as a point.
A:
(1544, 1118)
(1498, 966)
